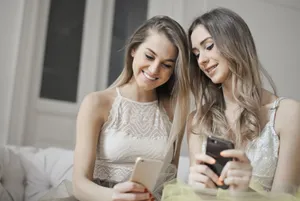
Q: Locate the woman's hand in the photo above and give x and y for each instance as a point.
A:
(237, 174)
(130, 191)
(201, 174)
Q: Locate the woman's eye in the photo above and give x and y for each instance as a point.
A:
(167, 66)
(149, 57)
(210, 47)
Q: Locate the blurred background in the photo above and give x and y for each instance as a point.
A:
(54, 52)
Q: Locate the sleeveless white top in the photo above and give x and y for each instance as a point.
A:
(263, 151)
(133, 129)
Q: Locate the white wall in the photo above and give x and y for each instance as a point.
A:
(10, 22)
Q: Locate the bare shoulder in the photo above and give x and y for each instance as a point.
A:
(288, 108)
(98, 101)
(288, 114)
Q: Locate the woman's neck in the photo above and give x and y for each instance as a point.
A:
(228, 93)
(133, 91)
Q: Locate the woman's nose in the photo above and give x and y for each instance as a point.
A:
(154, 68)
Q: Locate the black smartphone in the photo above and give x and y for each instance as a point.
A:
(214, 147)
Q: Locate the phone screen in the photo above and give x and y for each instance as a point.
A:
(214, 147)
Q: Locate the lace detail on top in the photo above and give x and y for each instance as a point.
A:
(263, 152)
(133, 129)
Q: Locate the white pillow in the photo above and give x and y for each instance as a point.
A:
(45, 170)
(11, 175)
(4, 195)
(62, 192)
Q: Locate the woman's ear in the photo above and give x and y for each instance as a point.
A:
(133, 52)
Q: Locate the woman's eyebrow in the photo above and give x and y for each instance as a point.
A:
(170, 60)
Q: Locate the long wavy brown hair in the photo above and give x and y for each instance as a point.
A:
(234, 40)
(176, 89)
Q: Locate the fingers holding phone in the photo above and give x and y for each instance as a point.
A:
(146, 173)
(221, 166)
(201, 174)
(237, 174)
(130, 191)
(214, 147)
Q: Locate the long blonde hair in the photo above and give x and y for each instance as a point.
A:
(176, 89)
(234, 40)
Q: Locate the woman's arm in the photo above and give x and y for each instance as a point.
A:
(199, 172)
(287, 123)
(89, 122)
(194, 141)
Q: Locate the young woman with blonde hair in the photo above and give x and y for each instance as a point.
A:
(135, 117)
(232, 104)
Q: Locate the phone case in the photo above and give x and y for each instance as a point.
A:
(213, 148)
(146, 172)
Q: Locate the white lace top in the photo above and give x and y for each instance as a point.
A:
(133, 129)
(263, 152)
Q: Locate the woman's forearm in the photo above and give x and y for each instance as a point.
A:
(86, 190)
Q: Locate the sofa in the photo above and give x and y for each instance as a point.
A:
(29, 174)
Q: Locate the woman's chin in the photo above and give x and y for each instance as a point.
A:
(146, 87)
(216, 81)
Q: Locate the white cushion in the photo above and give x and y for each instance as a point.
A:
(11, 175)
(46, 169)
(4, 195)
(62, 192)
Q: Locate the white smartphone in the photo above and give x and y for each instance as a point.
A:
(146, 172)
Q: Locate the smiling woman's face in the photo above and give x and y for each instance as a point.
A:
(209, 59)
(154, 61)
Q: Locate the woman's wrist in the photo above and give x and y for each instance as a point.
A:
(242, 193)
